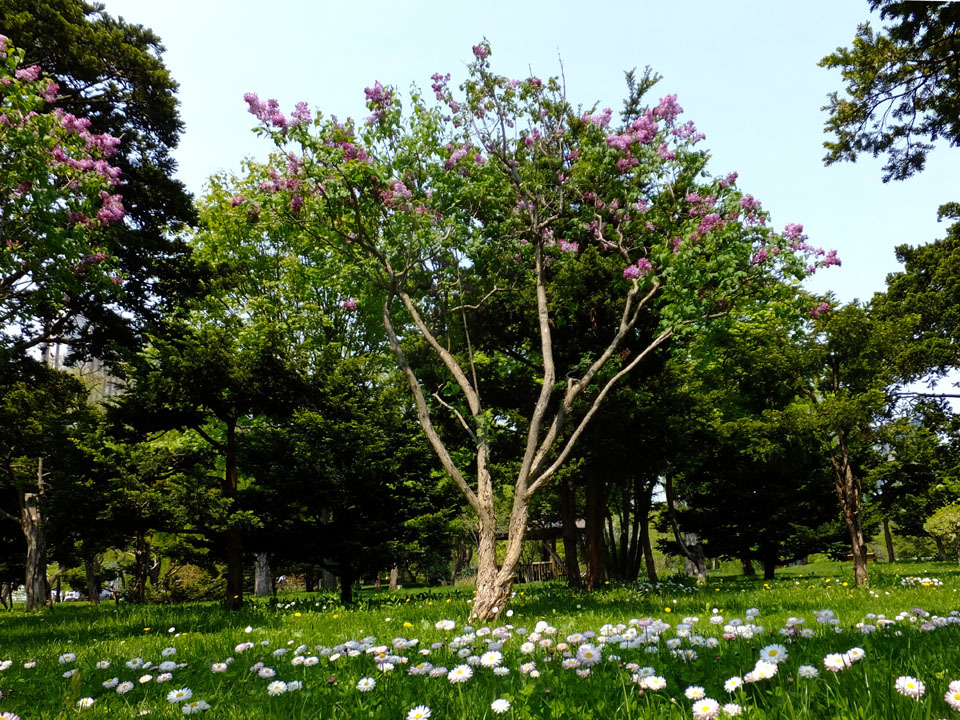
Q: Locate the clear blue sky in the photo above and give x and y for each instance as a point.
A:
(745, 71)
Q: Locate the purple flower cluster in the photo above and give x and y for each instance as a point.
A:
(269, 112)
(749, 203)
(350, 304)
(112, 209)
(3, 46)
(28, 74)
(378, 100)
(601, 120)
(641, 269)
(481, 51)
(729, 180)
(820, 309)
(50, 92)
(455, 156)
(688, 131)
(665, 153)
(711, 221)
(571, 247)
(668, 109)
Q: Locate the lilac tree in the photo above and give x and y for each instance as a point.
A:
(506, 198)
(57, 191)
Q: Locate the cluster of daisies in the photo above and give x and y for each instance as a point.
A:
(470, 652)
(911, 580)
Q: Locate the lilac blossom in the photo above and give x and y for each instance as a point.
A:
(28, 74)
(729, 180)
(50, 92)
(3, 45)
(645, 128)
(820, 309)
(749, 203)
(481, 51)
(793, 231)
(710, 222)
(237, 200)
(601, 120)
(831, 259)
(112, 210)
(668, 109)
(350, 304)
(571, 247)
(665, 153)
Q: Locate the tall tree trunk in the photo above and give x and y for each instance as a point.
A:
(594, 528)
(769, 569)
(233, 539)
(346, 584)
(31, 523)
(687, 542)
(941, 550)
(141, 555)
(888, 539)
(262, 578)
(848, 490)
(91, 566)
(328, 581)
(494, 583)
(395, 575)
(747, 565)
(568, 518)
(645, 545)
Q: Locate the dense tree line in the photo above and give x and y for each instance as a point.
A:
(436, 338)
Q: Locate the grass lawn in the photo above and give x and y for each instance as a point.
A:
(560, 654)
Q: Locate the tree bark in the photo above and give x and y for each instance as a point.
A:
(941, 550)
(888, 539)
(31, 522)
(233, 539)
(91, 566)
(262, 578)
(849, 492)
(645, 544)
(594, 528)
(769, 569)
(747, 565)
(568, 518)
(141, 555)
(346, 584)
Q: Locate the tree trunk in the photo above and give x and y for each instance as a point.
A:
(848, 490)
(328, 581)
(38, 593)
(568, 518)
(141, 555)
(494, 583)
(747, 565)
(645, 544)
(91, 566)
(346, 584)
(888, 539)
(941, 550)
(696, 560)
(233, 539)
(262, 578)
(395, 575)
(594, 528)
(769, 569)
(310, 581)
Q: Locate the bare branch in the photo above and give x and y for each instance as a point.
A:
(561, 458)
(456, 412)
(423, 412)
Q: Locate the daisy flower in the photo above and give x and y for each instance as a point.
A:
(952, 698)
(86, 702)
(175, 696)
(366, 684)
(461, 673)
(733, 684)
(775, 653)
(103, 664)
(195, 706)
(489, 659)
(706, 709)
(277, 687)
(500, 706)
(68, 658)
(694, 692)
(420, 712)
(266, 672)
(124, 687)
(909, 686)
(732, 709)
(807, 671)
(218, 667)
(111, 683)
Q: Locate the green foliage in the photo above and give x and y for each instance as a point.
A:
(111, 73)
(902, 87)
